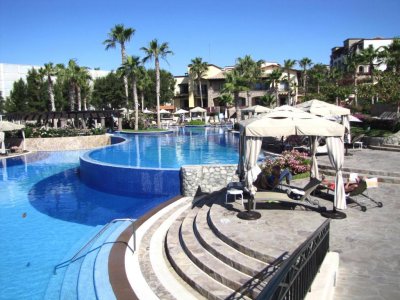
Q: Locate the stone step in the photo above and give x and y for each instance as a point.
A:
(363, 171)
(187, 269)
(223, 251)
(392, 148)
(231, 241)
(385, 179)
(210, 264)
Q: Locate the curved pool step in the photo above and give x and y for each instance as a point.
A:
(223, 251)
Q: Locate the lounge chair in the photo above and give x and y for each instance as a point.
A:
(265, 196)
(357, 141)
(361, 190)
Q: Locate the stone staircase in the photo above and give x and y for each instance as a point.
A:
(205, 260)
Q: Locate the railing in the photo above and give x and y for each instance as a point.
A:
(78, 255)
(296, 274)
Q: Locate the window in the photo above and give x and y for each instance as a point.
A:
(183, 89)
(361, 69)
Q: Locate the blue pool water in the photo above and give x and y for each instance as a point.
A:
(185, 146)
(45, 210)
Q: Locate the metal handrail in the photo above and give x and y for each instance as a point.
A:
(281, 283)
(91, 241)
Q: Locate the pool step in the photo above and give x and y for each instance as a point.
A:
(79, 280)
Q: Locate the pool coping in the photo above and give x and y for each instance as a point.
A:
(116, 261)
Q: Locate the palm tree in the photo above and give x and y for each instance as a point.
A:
(48, 71)
(304, 63)
(250, 70)
(144, 81)
(370, 56)
(234, 84)
(287, 65)
(83, 84)
(274, 77)
(391, 56)
(334, 75)
(198, 69)
(121, 35)
(352, 63)
(131, 69)
(156, 51)
(319, 73)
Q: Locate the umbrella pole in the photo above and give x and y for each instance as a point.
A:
(333, 214)
(249, 214)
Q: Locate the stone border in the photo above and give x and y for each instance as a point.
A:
(116, 261)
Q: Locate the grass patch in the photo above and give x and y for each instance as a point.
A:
(144, 130)
(196, 122)
(301, 176)
(372, 132)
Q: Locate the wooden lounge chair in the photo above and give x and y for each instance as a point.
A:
(265, 196)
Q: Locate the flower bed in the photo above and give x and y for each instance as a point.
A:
(295, 161)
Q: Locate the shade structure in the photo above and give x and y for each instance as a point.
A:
(163, 111)
(198, 109)
(181, 112)
(323, 109)
(338, 118)
(258, 109)
(285, 121)
(8, 126)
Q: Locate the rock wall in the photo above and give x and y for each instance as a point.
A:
(63, 143)
(208, 178)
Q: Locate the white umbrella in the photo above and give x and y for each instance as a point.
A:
(180, 112)
(146, 111)
(198, 109)
(8, 126)
(163, 111)
(257, 109)
(321, 108)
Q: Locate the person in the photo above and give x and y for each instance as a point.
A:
(277, 176)
(348, 187)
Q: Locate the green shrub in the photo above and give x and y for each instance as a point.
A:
(196, 122)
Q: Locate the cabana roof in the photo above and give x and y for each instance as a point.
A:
(321, 108)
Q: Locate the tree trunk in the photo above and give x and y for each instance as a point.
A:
(50, 90)
(318, 88)
(277, 100)
(289, 93)
(371, 69)
(142, 98)
(201, 92)
(71, 96)
(158, 91)
(238, 112)
(85, 103)
(135, 100)
(123, 55)
(78, 97)
(355, 88)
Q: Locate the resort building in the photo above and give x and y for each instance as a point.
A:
(356, 45)
(9, 73)
(187, 91)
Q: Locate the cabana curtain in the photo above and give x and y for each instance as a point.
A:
(314, 162)
(336, 157)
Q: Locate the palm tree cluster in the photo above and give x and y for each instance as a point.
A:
(132, 66)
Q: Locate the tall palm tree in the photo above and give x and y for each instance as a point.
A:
(274, 77)
(304, 63)
(352, 63)
(288, 64)
(83, 84)
(48, 71)
(131, 69)
(120, 35)
(235, 83)
(198, 69)
(370, 56)
(391, 56)
(250, 71)
(144, 81)
(156, 51)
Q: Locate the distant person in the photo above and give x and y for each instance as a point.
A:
(271, 181)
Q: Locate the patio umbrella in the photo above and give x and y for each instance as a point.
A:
(198, 109)
(146, 111)
(181, 112)
(258, 109)
(8, 126)
(163, 111)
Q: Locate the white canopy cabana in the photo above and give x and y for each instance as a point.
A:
(149, 112)
(8, 126)
(285, 121)
(163, 111)
(198, 109)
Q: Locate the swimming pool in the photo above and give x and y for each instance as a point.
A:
(184, 146)
(45, 212)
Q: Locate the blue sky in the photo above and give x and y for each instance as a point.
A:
(39, 31)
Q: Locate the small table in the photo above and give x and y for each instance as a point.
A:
(234, 192)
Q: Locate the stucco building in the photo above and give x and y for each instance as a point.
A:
(187, 90)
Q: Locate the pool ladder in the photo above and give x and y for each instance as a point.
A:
(93, 239)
